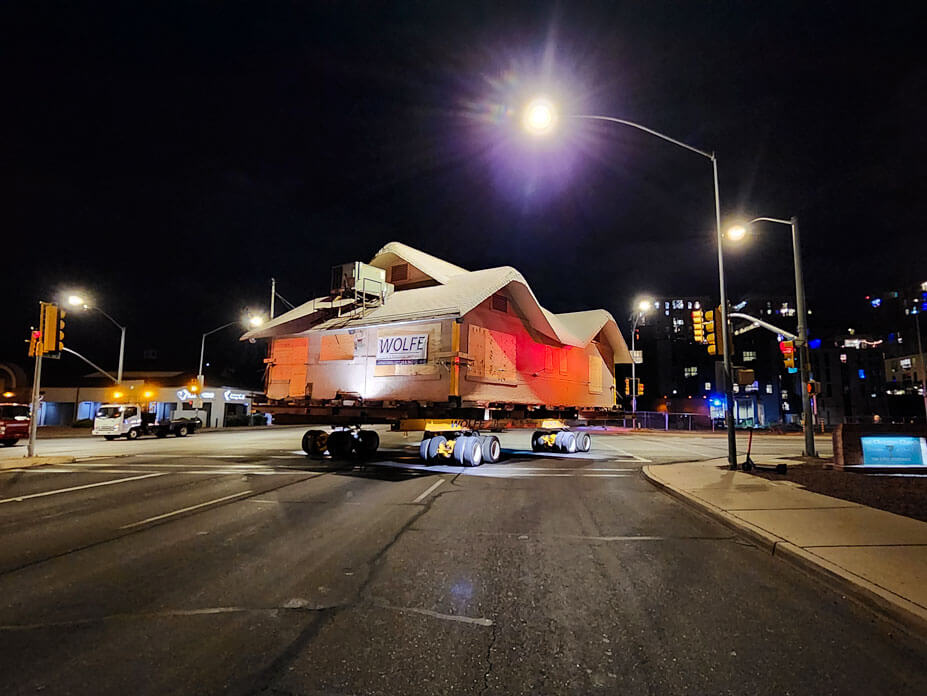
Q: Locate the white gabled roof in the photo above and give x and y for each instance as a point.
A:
(459, 292)
(433, 267)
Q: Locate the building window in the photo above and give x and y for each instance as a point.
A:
(500, 303)
(769, 389)
(749, 355)
(691, 372)
(707, 386)
(399, 272)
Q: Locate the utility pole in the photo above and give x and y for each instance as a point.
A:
(803, 354)
(922, 364)
(273, 294)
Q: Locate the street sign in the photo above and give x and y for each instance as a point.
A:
(637, 356)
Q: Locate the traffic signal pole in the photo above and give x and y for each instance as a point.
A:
(725, 332)
(36, 390)
(803, 353)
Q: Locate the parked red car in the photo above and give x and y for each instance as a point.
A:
(14, 423)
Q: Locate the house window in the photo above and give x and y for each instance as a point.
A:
(500, 303)
(399, 272)
(749, 355)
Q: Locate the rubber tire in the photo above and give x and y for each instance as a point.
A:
(368, 443)
(565, 442)
(9, 442)
(468, 450)
(181, 431)
(309, 440)
(312, 443)
(423, 448)
(433, 445)
(109, 438)
(492, 449)
(132, 434)
(536, 444)
(340, 444)
(583, 442)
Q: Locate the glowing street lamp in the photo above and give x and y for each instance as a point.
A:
(736, 233)
(540, 118)
(251, 319)
(81, 303)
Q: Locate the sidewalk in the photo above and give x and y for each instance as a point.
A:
(876, 556)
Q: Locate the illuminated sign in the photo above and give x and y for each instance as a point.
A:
(894, 450)
(410, 349)
(906, 363)
(234, 396)
(186, 395)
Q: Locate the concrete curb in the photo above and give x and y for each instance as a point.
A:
(907, 615)
(29, 462)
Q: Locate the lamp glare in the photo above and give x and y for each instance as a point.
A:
(539, 117)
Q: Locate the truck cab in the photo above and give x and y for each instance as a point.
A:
(14, 423)
(116, 420)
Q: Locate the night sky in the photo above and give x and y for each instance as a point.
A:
(169, 159)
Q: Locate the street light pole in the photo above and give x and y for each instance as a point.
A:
(635, 319)
(75, 300)
(923, 365)
(199, 373)
(802, 331)
(725, 333)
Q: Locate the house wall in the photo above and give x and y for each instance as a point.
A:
(316, 376)
(545, 372)
(506, 361)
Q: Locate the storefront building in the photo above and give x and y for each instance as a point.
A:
(216, 406)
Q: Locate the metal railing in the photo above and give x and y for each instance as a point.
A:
(657, 420)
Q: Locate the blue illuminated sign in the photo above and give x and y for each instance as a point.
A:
(862, 374)
(814, 343)
(894, 450)
(877, 302)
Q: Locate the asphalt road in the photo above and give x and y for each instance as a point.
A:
(230, 563)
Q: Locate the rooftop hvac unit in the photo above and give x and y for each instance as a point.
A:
(360, 278)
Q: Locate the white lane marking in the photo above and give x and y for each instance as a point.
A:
(186, 509)
(443, 617)
(619, 450)
(78, 488)
(430, 489)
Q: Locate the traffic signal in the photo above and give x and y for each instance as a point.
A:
(35, 343)
(52, 328)
(788, 353)
(627, 385)
(640, 388)
(708, 326)
(698, 325)
(814, 388)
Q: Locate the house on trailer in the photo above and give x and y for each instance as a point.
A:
(411, 328)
